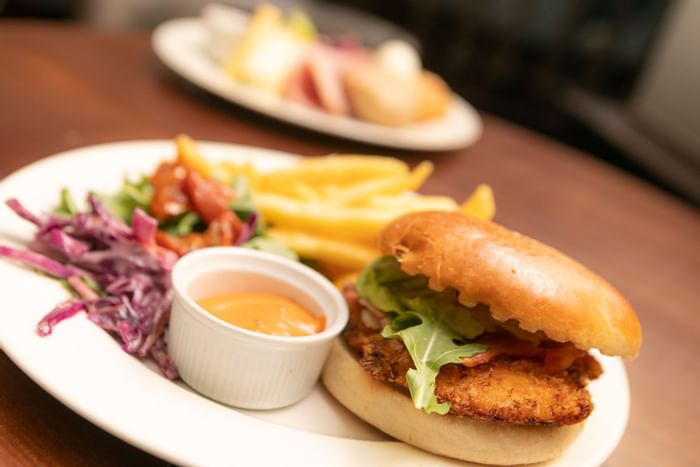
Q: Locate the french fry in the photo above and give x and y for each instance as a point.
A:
(333, 170)
(342, 254)
(188, 155)
(480, 203)
(363, 191)
(359, 224)
(304, 191)
(331, 191)
(355, 223)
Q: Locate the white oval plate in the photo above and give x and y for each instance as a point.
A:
(83, 367)
(181, 44)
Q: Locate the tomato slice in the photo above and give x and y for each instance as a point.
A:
(209, 199)
(169, 199)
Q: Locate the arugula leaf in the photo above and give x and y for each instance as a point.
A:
(455, 315)
(243, 208)
(132, 195)
(371, 282)
(66, 206)
(432, 344)
(387, 270)
(390, 289)
(184, 224)
(243, 205)
(432, 325)
(270, 246)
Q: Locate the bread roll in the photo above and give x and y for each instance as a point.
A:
(517, 277)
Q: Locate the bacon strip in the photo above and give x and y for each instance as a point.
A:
(556, 357)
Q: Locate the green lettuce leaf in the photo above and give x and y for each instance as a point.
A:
(244, 206)
(67, 205)
(432, 325)
(432, 344)
(270, 245)
(132, 195)
(372, 284)
(445, 303)
(184, 224)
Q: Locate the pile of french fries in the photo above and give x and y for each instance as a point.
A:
(330, 209)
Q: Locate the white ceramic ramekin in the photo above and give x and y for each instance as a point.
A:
(236, 366)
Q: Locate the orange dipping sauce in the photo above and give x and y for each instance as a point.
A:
(265, 313)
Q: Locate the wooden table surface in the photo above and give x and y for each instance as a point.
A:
(63, 86)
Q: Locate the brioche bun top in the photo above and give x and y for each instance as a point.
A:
(517, 277)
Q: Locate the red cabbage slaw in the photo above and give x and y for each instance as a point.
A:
(117, 273)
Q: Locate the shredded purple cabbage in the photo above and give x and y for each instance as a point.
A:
(144, 227)
(121, 278)
(59, 313)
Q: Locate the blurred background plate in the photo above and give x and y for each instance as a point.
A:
(181, 44)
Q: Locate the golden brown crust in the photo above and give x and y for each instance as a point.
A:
(510, 388)
(515, 391)
(464, 438)
(518, 278)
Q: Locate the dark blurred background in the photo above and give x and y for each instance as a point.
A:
(617, 79)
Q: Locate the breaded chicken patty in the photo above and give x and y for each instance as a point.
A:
(508, 388)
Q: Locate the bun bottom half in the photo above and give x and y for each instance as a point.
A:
(464, 438)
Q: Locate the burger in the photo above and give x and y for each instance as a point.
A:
(472, 341)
